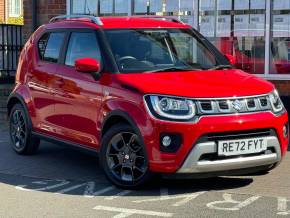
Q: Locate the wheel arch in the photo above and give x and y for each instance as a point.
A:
(115, 117)
(17, 99)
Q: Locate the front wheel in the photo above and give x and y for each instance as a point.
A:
(123, 157)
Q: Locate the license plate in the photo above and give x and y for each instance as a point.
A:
(242, 146)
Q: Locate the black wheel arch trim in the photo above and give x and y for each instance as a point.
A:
(132, 123)
(22, 101)
(125, 116)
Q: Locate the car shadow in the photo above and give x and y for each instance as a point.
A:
(57, 169)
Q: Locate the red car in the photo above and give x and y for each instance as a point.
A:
(149, 94)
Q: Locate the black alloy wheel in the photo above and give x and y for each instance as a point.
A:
(20, 132)
(124, 158)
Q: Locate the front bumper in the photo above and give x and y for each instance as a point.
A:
(194, 164)
(187, 158)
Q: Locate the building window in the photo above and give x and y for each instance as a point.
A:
(84, 7)
(14, 8)
(256, 32)
(280, 38)
(236, 28)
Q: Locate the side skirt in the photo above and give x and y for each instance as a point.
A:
(65, 143)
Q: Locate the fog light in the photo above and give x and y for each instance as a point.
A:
(285, 130)
(170, 142)
(166, 141)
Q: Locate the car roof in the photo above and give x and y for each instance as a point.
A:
(118, 23)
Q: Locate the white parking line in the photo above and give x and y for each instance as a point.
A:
(282, 206)
(124, 212)
(40, 183)
(122, 193)
(89, 189)
(22, 187)
(100, 192)
(229, 200)
(164, 197)
(70, 188)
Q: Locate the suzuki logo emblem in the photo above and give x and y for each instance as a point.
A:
(237, 105)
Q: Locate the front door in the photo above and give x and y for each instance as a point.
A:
(79, 96)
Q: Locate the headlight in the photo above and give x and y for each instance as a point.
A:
(276, 103)
(170, 107)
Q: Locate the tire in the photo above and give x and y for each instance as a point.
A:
(123, 157)
(20, 128)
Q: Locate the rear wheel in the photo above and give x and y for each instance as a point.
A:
(20, 132)
(123, 157)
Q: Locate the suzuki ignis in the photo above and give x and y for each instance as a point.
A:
(149, 95)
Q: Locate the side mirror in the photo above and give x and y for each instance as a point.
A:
(88, 65)
(231, 59)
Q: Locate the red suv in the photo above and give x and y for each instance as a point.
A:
(149, 94)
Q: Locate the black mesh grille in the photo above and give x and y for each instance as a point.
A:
(264, 102)
(206, 105)
(251, 103)
(223, 105)
(232, 136)
(239, 134)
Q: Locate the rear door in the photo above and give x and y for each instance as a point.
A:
(79, 96)
(42, 76)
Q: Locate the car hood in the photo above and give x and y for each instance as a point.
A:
(198, 84)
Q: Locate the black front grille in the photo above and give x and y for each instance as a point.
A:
(251, 103)
(215, 137)
(264, 102)
(239, 134)
(233, 105)
(206, 105)
(223, 105)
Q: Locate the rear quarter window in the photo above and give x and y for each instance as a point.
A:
(49, 46)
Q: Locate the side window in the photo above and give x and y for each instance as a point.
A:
(50, 46)
(42, 45)
(82, 45)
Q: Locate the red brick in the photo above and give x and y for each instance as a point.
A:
(46, 10)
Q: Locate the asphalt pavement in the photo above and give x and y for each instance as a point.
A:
(61, 182)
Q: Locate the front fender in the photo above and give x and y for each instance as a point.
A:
(134, 113)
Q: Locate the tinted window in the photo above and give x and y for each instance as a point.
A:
(82, 45)
(42, 44)
(53, 47)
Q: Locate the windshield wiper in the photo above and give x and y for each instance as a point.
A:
(171, 69)
(221, 67)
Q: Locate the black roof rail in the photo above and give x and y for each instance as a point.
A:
(172, 19)
(93, 19)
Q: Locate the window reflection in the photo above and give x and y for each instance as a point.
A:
(236, 28)
(280, 42)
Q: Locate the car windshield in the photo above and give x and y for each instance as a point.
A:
(158, 50)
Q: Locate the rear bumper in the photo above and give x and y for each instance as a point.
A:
(193, 163)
